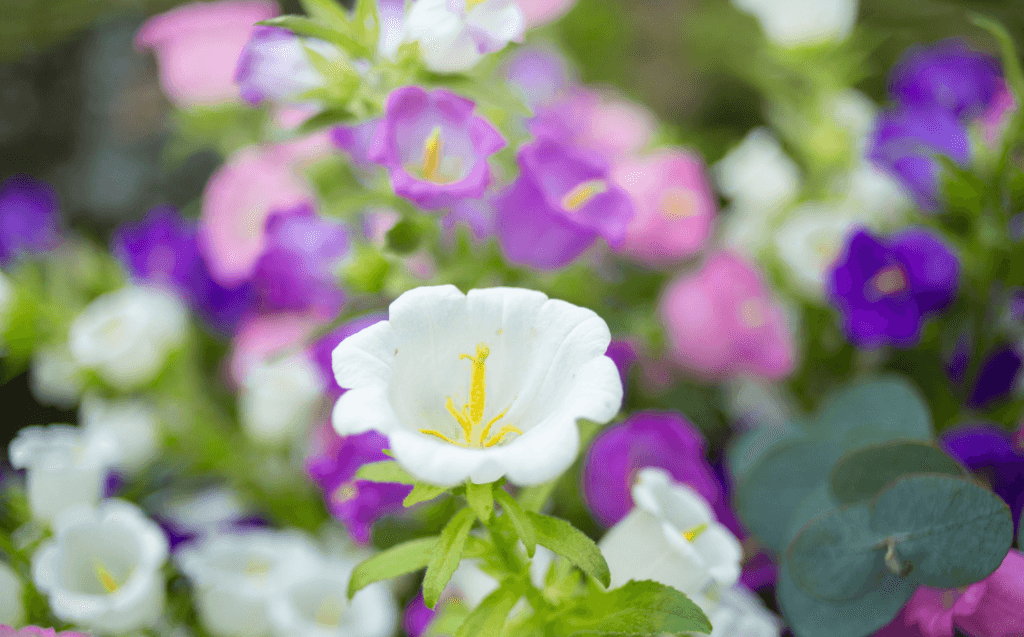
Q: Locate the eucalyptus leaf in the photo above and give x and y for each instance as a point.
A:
(569, 542)
(638, 608)
(818, 502)
(875, 411)
(481, 499)
(861, 474)
(749, 447)
(445, 557)
(520, 521)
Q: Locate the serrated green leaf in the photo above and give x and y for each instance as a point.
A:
(384, 471)
(481, 499)
(640, 608)
(446, 555)
(569, 542)
(861, 474)
(876, 411)
(520, 522)
(488, 618)
(421, 492)
(398, 560)
(328, 12)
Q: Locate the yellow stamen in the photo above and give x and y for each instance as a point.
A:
(105, 577)
(580, 195)
(328, 613)
(256, 567)
(753, 313)
(463, 418)
(678, 203)
(432, 155)
(695, 532)
(440, 435)
(487, 427)
(472, 3)
(345, 492)
(507, 429)
(890, 280)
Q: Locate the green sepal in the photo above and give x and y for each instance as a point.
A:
(488, 619)
(569, 542)
(636, 609)
(481, 499)
(421, 492)
(519, 519)
(446, 555)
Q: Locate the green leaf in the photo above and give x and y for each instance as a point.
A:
(328, 117)
(489, 617)
(1010, 59)
(520, 522)
(446, 556)
(328, 12)
(876, 411)
(481, 499)
(534, 498)
(861, 474)
(384, 471)
(569, 542)
(340, 80)
(952, 531)
(819, 502)
(398, 560)
(421, 492)
(404, 237)
(366, 23)
(748, 448)
(836, 557)
(639, 608)
(313, 29)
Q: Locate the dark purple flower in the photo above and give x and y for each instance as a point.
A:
(948, 76)
(997, 377)
(417, 617)
(990, 452)
(434, 147)
(884, 287)
(298, 268)
(274, 65)
(662, 439)
(561, 203)
(29, 218)
(623, 353)
(356, 503)
(905, 142)
(323, 348)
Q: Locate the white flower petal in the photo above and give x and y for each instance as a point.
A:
(362, 409)
(366, 357)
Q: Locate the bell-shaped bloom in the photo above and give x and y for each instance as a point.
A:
(947, 76)
(275, 66)
(673, 205)
(421, 379)
(12, 605)
(671, 537)
(29, 218)
(540, 12)
(539, 73)
(809, 242)
(279, 398)
(55, 377)
(236, 577)
(300, 263)
(885, 287)
(197, 47)
(103, 568)
(741, 613)
(315, 604)
(36, 631)
(332, 464)
(601, 121)
(757, 174)
(563, 201)
(433, 146)
(65, 466)
(125, 336)
(130, 422)
(239, 198)
(455, 34)
(723, 321)
(992, 454)
(646, 439)
(796, 23)
(187, 515)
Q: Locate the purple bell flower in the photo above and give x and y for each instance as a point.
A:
(356, 141)
(433, 146)
(274, 65)
(561, 203)
(992, 453)
(29, 218)
(948, 76)
(417, 617)
(884, 287)
(298, 267)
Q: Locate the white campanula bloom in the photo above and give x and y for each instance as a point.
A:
(478, 386)
(455, 34)
(741, 613)
(102, 568)
(809, 241)
(65, 466)
(279, 398)
(55, 377)
(236, 577)
(794, 23)
(275, 66)
(132, 423)
(671, 537)
(127, 335)
(12, 608)
(757, 174)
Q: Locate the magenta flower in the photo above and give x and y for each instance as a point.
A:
(36, 631)
(561, 203)
(434, 147)
(539, 73)
(268, 335)
(722, 321)
(29, 218)
(674, 206)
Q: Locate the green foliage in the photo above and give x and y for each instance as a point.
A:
(519, 520)
(837, 557)
(445, 557)
(566, 540)
(421, 492)
(636, 609)
(481, 499)
(368, 270)
(398, 560)
(487, 619)
(390, 471)
(404, 237)
(861, 474)
(875, 411)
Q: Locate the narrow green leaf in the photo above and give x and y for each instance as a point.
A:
(327, 11)
(366, 23)
(533, 498)
(312, 29)
(861, 474)
(340, 79)
(384, 471)
(398, 560)
(569, 542)
(488, 619)
(1010, 59)
(520, 522)
(421, 492)
(481, 499)
(446, 556)
(640, 608)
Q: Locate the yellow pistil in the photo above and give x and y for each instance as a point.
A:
(677, 203)
(581, 194)
(890, 280)
(257, 568)
(105, 577)
(328, 613)
(347, 491)
(695, 532)
(471, 416)
(472, 3)
(432, 156)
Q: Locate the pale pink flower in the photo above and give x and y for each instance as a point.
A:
(539, 12)
(197, 47)
(267, 336)
(36, 631)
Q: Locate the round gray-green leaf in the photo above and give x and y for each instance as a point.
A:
(819, 502)
(876, 411)
(952, 531)
(748, 448)
(862, 473)
(836, 557)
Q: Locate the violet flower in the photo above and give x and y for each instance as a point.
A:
(993, 453)
(885, 287)
(298, 268)
(322, 350)
(433, 146)
(274, 65)
(417, 617)
(947, 76)
(29, 222)
(561, 203)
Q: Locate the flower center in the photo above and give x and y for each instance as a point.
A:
(472, 3)
(346, 492)
(752, 313)
(677, 203)
(472, 414)
(695, 532)
(257, 568)
(581, 194)
(328, 613)
(105, 577)
(890, 280)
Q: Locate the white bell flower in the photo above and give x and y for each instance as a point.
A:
(316, 604)
(236, 577)
(757, 174)
(126, 335)
(455, 34)
(795, 23)
(809, 242)
(12, 607)
(65, 466)
(478, 386)
(131, 422)
(55, 377)
(741, 613)
(671, 537)
(279, 398)
(102, 569)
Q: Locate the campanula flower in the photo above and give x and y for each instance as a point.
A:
(275, 66)
(948, 76)
(29, 218)
(991, 453)
(455, 34)
(796, 23)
